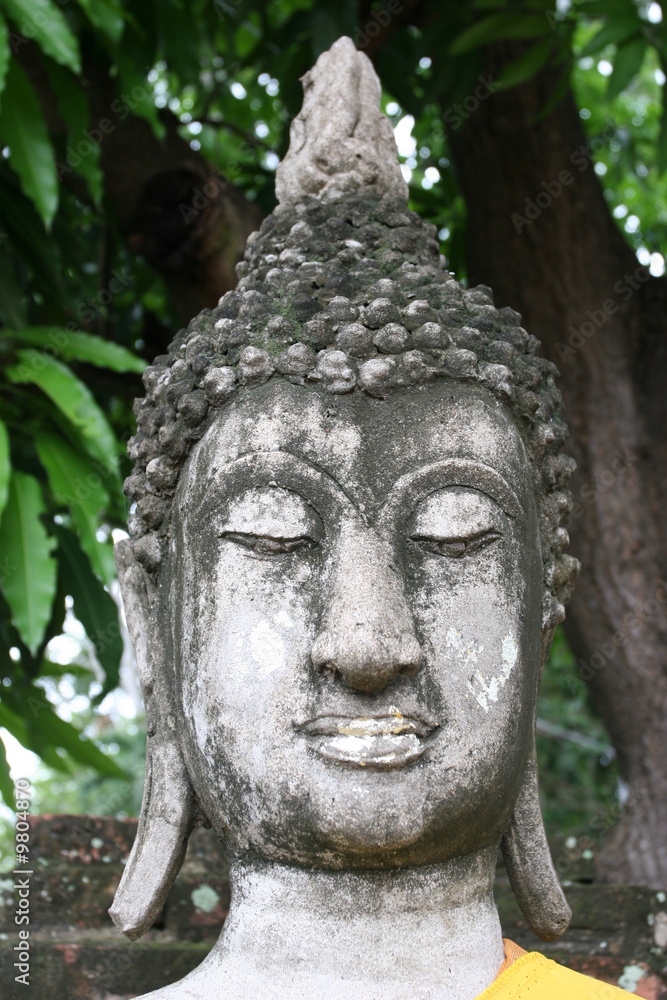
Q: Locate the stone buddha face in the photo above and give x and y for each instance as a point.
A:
(356, 623)
(345, 570)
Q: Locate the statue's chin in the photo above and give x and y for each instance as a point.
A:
(394, 840)
(336, 814)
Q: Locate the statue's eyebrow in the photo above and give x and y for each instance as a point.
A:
(292, 472)
(414, 487)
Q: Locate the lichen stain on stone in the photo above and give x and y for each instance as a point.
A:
(487, 691)
(469, 652)
(282, 618)
(660, 930)
(629, 980)
(205, 899)
(237, 662)
(455, 641)
(267, 649)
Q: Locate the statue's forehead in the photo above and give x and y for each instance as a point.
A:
(366, 444)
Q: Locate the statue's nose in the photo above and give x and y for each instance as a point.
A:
(368, 635)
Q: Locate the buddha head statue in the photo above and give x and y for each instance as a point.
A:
(346, 559)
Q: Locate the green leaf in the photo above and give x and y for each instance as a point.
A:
(43, 22)
(526, 66)
(31, 156)
(73, 399)
(93, 606)
(605, 8)
(83, 144)
(134, 84)
(4, 52)
(30, 737)
(29, 570)
(82, 750)
(12, 721)
(394, 63)
(499, 26)
(246, 38)
(50, 669)
(26, 236)
(75, 482)
(177, 41)
(662, 138)
(6, 783)
(45, 728)
(77, 346)
(613, 32)
(329, 20)
(5, 467)
(627, 63)
(109, 17)
(12, 302)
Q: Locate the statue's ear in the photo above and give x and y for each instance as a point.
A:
(526, 851)
(168, 809)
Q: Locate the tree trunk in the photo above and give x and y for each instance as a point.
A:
(171, 205)
(565, 265)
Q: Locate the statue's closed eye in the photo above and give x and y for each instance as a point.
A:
(456, 548)
(268, 521)
(266, 545)
(456, 522)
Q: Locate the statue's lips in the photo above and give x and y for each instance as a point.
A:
(380, 742)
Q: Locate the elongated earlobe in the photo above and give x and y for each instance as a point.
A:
(166, 822)
(529, 865)
(168, 809)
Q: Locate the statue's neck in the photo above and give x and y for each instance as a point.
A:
(431, 931)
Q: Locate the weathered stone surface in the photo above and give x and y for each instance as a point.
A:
(392, 339)
(379, 312)
(429, 336)
(298, 361)
(219, 384)
(355, 339)
(339, 141)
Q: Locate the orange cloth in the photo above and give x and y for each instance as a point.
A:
(512, 952)
(527, 975)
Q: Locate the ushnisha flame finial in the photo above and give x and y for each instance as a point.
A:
(340, 142)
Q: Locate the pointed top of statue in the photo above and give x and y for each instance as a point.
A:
(340, 142)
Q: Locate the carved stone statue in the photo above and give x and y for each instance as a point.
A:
(345, 568)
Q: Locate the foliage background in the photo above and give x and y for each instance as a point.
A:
(81, 312)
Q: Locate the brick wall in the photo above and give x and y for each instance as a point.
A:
(618, 933)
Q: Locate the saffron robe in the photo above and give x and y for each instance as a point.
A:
(527, 975)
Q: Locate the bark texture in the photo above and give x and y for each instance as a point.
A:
(171, 205)
(576, 282)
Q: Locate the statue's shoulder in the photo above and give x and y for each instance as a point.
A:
(182, 990)
(213, 979)
(534, 977)
(167, 993)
